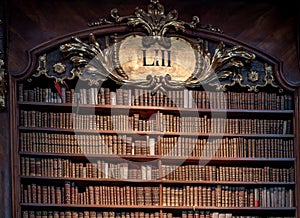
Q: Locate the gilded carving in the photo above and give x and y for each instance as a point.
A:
(221, 66)
(59, 68)
(253, 76)
(42, 69)
(154, 21)
(97, 63)
(153, 61)
(269, 78)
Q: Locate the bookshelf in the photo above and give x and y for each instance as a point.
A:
(119, 147)
(231, 165)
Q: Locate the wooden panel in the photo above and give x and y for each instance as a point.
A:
(5, 194)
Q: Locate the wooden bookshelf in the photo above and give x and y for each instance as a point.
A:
(164, 148)
(159, 161)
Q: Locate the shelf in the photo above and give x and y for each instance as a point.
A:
(111, 157)
(164, 159)
(228, 183)
(179, 208)
(75, 206)
(228, 208)
(242, 211)
(90, 180)
(153, 109)
(155, 133)
(121, 181)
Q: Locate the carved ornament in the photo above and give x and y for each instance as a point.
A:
(158, 57)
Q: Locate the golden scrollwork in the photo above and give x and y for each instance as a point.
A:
(228, 66)
(154, 21)
(158, 83)
(268, 79)
(3, 85)
(90, 62)
(223, 65)
(42, 69)
(222, 70)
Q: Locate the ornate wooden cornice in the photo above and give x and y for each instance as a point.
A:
(94, 55)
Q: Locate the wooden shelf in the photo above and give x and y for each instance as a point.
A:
(153, 109)
(180, 208)
(155, 133)
(94, 206)
(158, 181)
(228, 208)
(164, 159)
(91, 180)
(157, 160)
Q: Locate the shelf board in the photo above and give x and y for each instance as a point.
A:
(158, 181)
(111, 157)
(155, 133)
(225, 161)
(155, 108)
(91, 180)
(206, 208)
(228, 208)
(75, 206)
(164, 159)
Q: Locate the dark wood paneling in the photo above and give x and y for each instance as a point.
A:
(5, 176)
(5, 181)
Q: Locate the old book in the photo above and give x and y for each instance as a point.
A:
(215, 215)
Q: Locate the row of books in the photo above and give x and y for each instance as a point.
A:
(174, 98)
(228, 196)
(209, 214)
(87, 214)
(58, 167)
(70, 193)
(112, 214)
(65, 168)
(215, 196)
(165, 146)
(157, 122)
(226, 147)
(226, 173)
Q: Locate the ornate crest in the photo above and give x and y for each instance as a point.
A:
(158, 56)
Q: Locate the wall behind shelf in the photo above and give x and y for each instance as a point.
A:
(269, 26)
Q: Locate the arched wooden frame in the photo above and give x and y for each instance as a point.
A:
(270, 71)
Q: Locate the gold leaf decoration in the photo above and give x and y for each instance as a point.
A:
(253, 76)
(59, 68)
(222, 65)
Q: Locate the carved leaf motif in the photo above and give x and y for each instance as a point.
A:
(89, 56)
(155, 21)
(221, 66)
